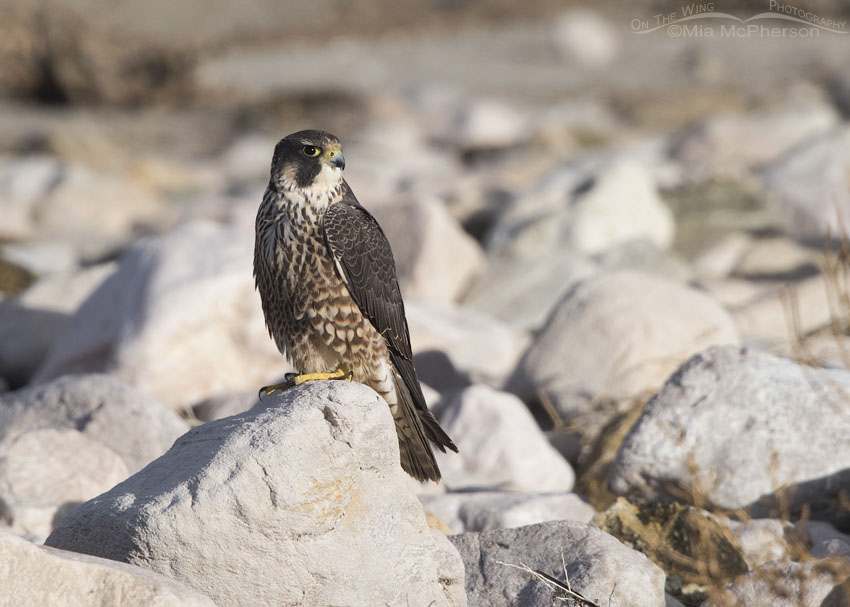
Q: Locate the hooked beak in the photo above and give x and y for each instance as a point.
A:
(336, 159)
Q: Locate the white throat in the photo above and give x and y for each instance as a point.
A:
(328, 180)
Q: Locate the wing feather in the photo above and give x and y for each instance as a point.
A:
(363, 255)
(361, 250)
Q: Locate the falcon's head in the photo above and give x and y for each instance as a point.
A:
(307, 160)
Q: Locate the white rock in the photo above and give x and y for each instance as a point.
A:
(644, 256)
(652, 152)
(762, 540)
(24, 182)
(130, 422)
(778, 257)
(534, 223)
(309, 478)
(809, 186)
(500, 444)
(720, 259)
(825, 540)
(42, 472)
(485, 510)
(584, 37)
(784, 584)
(37, 575)
(30, 323)
(391, 159)
(180, 317)
(581, 206)
(600, 568)
(484, 124)
(770, 409)
(613, 338)
(733, 293)
(65, 291)
(43, 257)
(67, 202)
(435, 259)
(481, 348)
(622, 205)
(248, 158)
(523, 292)
(730, 146)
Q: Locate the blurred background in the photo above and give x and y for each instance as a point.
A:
(580, 197)
(509, 149)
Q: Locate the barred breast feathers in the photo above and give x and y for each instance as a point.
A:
(292, 209)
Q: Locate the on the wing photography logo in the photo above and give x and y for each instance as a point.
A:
(701, 20)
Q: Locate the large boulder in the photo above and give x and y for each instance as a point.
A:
(44, 473)
(131, 423)
(180, 316)
(598, 567)
(613, 338)
(531, 224)
(300, 500)
(435, 259)
(580, 207)
(501, 446)
(485, 124)
(522, 292)
(737, 428)
(473, 346)
(646, 257)
(623, 189)
(815, 583)
(30, 323)
(809, 186)
(37, 575)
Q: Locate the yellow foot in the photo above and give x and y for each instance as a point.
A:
(296, 379)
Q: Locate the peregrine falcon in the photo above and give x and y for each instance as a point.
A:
(331, 300)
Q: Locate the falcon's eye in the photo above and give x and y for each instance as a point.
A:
(310, 150)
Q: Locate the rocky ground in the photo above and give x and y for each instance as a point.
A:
(626, 279)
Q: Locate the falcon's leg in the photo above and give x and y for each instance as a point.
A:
(296, 379)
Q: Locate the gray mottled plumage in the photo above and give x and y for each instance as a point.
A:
(327, 281)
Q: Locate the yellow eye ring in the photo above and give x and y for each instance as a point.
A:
(311, 151)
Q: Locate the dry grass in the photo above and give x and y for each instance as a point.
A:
(14, 279)
(562, 592)
(593, 471)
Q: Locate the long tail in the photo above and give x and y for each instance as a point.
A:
(417, 428)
